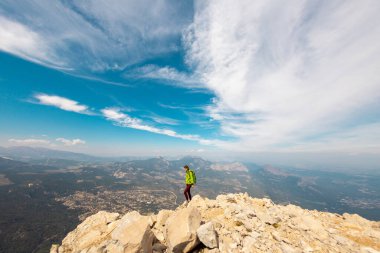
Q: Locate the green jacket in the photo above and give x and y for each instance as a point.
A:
(190, 177)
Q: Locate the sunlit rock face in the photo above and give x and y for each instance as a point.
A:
(230, 223)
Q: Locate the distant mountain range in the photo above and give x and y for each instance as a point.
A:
(38, 154)
(28, 153)
(25, 153)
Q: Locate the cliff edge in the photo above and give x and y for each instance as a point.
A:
(230, 223)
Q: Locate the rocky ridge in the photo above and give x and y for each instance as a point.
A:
(230, 223)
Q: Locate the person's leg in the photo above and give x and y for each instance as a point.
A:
(189, 192)
(186, 192)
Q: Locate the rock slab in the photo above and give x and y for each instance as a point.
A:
(181, 230)
(133, 233)
(207, 235)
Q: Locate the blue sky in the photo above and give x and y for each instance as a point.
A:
(183, 77)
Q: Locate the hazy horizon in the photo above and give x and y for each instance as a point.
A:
(333, 162)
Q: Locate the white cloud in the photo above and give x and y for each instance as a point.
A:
(164, 120)
(62, 103)
(360, 139)
(115, 115)
(72, 142)
(19, 40)
(46, 142)
(171, 75)
(92, 35)
(123, 120)
(283, 74)
(29, 142)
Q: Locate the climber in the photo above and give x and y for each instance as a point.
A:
(190, 180)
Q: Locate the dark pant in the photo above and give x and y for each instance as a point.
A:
(187, 192)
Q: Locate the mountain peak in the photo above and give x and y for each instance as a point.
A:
(275, 171)
(230, 223)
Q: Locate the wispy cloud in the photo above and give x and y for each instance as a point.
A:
(20, 40)
(46, 142)
(359, 139)
(91, 35)
(168, 74)
(72, 142)
(198, 115)
(181, 107)
(117, 117)
(285, 74)
(28, 142)
(164, 120)
(121, 119)
(62, 103)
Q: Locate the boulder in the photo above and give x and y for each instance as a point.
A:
(207, 235)
(198, 202)
(90, 232)
(162, 216)
(159, 226)
(158, 248)
(181, 230)
(134, 234)
(54, 248)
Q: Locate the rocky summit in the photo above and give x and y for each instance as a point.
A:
(230, 223)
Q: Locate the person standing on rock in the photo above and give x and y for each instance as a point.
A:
(190, 180)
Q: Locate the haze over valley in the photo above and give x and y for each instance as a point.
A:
(45, 196)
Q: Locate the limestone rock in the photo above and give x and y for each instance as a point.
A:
(159, 226)
(158, 248)
(181, 230)
(207, 235)
(54, 248)
(231, 223)
(162, 216)
(134, 233)
(206, 250)
(198, 202)
(286, 248)
(90, 232)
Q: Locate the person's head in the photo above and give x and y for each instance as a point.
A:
(186, 167)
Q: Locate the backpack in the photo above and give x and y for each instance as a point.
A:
(194, 177)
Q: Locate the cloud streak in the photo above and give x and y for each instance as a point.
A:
(91, 36)
(286, 74)
(46, 142)
(18, 39)
(121, 119)
(117, 117)
(72, 142)
(168, 75)
(28, 142)
(62, 103)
